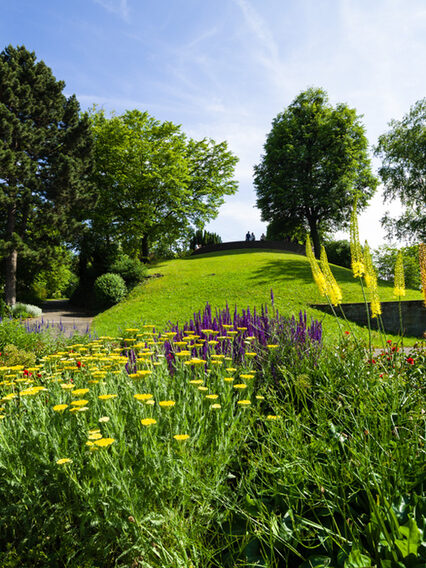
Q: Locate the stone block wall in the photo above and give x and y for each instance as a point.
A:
(413, 316)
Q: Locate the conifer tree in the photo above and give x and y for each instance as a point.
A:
(45, 161)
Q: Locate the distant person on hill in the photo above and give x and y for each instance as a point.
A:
(252, 237)
(248, 236)
(262, 237)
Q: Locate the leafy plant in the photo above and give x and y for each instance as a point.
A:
(109, 289)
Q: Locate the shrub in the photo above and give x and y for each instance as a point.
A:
(11, 355)
(339, 252)
(109, 290)
(131, 270)
(20, 310)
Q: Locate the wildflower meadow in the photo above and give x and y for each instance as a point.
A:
(236, 439)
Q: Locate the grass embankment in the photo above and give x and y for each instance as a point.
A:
(243, 278)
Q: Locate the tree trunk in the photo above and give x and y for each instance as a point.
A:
(145, 248)
(11, 260)
(315, 238)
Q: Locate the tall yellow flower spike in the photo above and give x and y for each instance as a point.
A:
(357, 259)
(333, 289)
(422, 262)
(319, 277)
(399, 280)
(370, 278)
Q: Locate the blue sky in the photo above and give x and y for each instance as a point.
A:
(225, 68)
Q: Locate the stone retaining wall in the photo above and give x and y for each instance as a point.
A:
(276, 245)
(413, 316)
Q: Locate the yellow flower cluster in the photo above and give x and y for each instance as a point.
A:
(357, 258)
(323, 276)
(422, 262)
(316, 270)
(399, 280)
(370, 278)
(333, 289)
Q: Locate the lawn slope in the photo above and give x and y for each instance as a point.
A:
(240, 277)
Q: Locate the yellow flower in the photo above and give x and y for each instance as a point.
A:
(399, 280)
(272, 417)
(67, 386)
(79, 392)
(357, 259)
(246, 377)
(370, 278)
(272, 346)
(318, 276)
(80, 402)
(332, 288)
(95, 436)
(181, 437)
(422, 262)
(103, 419)
(60, 407)
(228, 379)
(240, 386)
(148, 421)
(212, 396)
(167, 403)
(216, 405)
(63, 461)
(244, 402)
(107, 396)
(104, 442)
(260, 397)
(143, 396)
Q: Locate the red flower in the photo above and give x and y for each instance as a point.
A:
(78, 364)
(395, 348)
(347, 332)
(389, 341)
(410, 360)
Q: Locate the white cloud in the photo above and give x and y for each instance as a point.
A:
(118, 7)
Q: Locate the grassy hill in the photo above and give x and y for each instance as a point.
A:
(240, 277)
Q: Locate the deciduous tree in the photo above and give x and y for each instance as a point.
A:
(153, 182)
(315, 162)
(403, 172)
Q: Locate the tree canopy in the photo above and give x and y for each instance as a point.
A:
(45, 160)
(315, 162)
(403, 172)
(152, 181)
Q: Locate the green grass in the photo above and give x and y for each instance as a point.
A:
(243, 278)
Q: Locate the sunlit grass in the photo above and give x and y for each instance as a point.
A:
(242, 278)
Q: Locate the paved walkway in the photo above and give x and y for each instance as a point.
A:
(59, 315)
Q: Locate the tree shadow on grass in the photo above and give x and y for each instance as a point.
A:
(282, 270)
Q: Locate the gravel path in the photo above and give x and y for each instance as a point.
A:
(58, 314)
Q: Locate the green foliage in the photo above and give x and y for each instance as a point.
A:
(132, 270)
(202, 237)
(403, 171)
(153, 182)
(325, 467)
(45, 157)
(385, 260)
(315, 162)
(339, 252)
(20, 310)
(239, 277)
(11, 355)
(109, 290)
